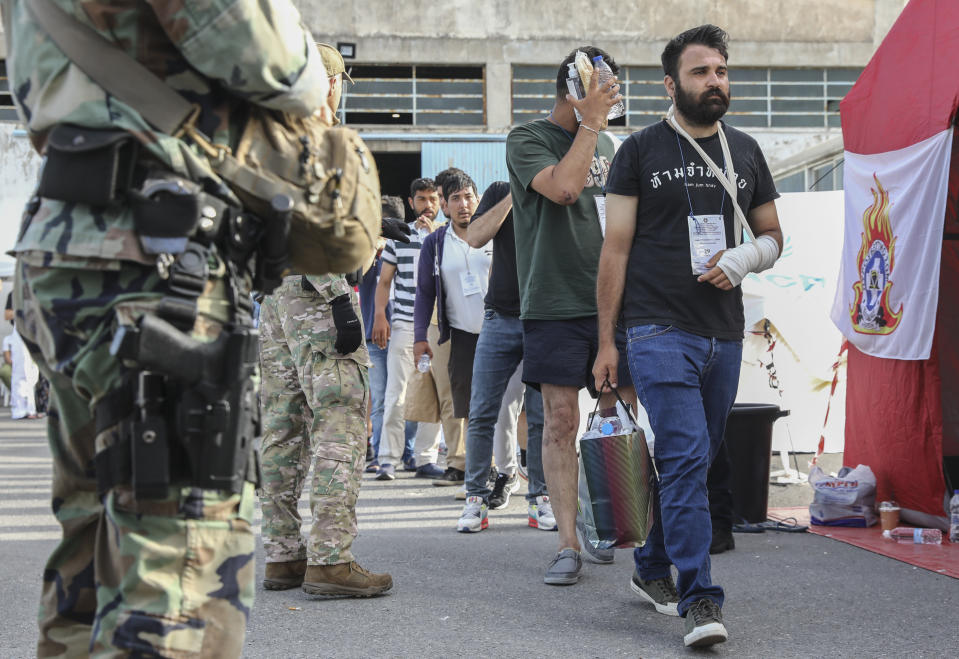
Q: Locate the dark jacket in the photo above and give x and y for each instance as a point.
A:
(429, 288)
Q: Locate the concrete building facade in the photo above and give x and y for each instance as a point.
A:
(495, 63)
(443, 84)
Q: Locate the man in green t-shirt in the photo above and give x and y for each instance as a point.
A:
(557, 170)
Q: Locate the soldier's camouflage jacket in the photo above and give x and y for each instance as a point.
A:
(219, 54)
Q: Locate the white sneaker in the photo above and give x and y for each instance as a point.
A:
(541, 514)
(460, 494)
(473, 519)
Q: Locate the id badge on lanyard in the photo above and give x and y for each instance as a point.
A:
(707, 236)
(470, 283)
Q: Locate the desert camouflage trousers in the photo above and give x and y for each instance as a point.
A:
(314, 415)
(170, 577)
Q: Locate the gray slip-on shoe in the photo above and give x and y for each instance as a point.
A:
(564, 569)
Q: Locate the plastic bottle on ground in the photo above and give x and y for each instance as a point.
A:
(916, 536)
(954, 517)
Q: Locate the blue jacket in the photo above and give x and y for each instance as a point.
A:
(429, 288)
(368, 296)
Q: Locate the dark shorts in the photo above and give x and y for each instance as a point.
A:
(562, 352)
(460, 367)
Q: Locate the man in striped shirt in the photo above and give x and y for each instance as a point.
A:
(400, 261)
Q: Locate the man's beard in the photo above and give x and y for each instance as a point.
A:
(705, 110)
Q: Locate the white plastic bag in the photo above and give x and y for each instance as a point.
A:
(848, 499)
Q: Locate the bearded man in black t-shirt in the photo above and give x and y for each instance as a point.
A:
(680, 193)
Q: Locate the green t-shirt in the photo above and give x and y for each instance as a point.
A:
(557, 247)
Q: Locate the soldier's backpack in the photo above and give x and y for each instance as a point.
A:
(327, 173)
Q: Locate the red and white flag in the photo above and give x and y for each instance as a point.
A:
(888, 287)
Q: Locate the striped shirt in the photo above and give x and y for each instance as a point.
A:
(406, 257)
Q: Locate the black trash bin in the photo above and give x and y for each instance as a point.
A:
(749, 441)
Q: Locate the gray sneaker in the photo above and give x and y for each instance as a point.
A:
(704, 624)
(564, 569)
(661, 593)
(591, 553)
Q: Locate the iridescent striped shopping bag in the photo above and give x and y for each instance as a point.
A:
(617, 501)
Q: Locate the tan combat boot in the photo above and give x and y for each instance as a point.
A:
(282, 576)
(345, 580)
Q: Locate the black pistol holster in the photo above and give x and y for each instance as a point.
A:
(188, 412)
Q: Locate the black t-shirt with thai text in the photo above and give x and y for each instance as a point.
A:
(672, 182)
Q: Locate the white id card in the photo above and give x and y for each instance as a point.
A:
(470, 284)
(707, 235)
(601, 211)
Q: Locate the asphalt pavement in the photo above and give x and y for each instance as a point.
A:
(482, 595)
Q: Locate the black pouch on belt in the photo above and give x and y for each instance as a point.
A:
(88, 166)
(166, 211)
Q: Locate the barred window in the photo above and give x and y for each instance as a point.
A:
(8, 112)
(818, 176)
(415, 95)
(762, 97)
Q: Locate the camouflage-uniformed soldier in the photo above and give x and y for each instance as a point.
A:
(169, 574)
(314, 396)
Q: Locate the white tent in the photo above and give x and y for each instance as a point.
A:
(795, 297)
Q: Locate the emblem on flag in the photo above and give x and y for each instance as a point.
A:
(870, 311)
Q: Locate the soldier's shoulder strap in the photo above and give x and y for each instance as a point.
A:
(112, 69)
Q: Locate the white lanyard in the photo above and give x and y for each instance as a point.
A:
(466, 250)
(468, 281)
(727, 183)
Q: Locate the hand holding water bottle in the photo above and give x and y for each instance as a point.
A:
(422, 356)
(602, 95)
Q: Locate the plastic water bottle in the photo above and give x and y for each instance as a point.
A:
(916, 536)
(575, 86)
(611, 426)
(423, 365)
(954, 517)
(601, 68)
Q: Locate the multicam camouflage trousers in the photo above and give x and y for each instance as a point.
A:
(171, 577)
(314, 413)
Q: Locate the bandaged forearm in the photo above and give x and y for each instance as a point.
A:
(755, 256)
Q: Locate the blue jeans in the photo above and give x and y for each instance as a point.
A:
(499, 351)
(687, 383)
(378, 394)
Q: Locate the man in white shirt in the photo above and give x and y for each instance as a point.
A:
(23, 378)
(398, 281)
(453, 277)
